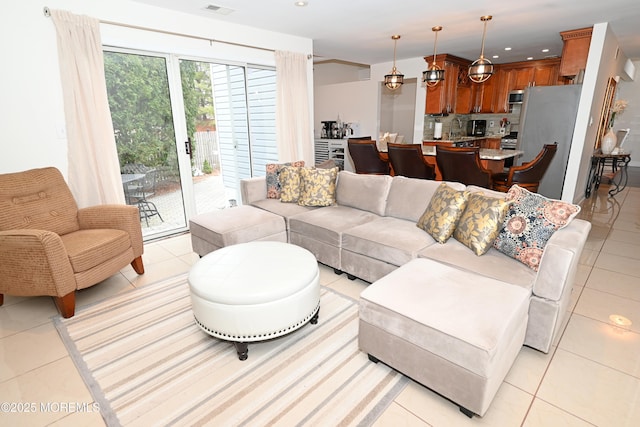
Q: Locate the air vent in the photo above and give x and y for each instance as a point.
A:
(219, 9)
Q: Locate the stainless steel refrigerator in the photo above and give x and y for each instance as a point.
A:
(548, 115)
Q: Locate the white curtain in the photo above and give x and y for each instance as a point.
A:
(94, 169)
(294, 134)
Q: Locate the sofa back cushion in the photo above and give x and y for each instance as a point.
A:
(37, 199)
(410, 197)
(365, 192)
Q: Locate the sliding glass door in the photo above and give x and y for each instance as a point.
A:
(186, 132)
(232, 133)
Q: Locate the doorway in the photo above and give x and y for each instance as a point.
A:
(186, 132)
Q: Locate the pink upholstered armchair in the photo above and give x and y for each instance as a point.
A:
(50, 247)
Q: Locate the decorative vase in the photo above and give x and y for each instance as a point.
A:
(609, 141)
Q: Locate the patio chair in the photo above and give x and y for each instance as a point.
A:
(138, 192)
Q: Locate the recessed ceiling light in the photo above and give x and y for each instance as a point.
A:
(530, 58)
(301, 3)
(545, 50)
(507, 48)
(496, 56)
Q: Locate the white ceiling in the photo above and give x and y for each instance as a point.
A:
(360, 31)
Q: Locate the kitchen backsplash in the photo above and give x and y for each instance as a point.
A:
(455, 125)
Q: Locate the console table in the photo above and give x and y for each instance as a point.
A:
(618, 163)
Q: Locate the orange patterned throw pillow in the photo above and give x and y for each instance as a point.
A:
(274, 186)
(529, 224)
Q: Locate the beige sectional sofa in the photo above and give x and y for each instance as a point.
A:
(371, 232)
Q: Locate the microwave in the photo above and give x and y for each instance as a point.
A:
(516, 97)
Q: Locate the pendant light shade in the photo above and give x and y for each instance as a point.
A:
(394, 79)
(481, 69)
(434, 73)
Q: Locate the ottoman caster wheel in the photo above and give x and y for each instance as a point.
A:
(336, 271)
(373, 359)
(467, 412)
(351, 277)
(242, 348)
(314, 319)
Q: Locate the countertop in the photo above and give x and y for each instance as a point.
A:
(461, 138)
(485, 153)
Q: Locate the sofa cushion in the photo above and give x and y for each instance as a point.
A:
(492, 264)
(529, 224)
(89, 248)
(317, 187)
(290, 182)
(444, 211)
(286, 210)
(365, 192)
(395, 241)
(274, 186)
(327, 224)
(419, 191)
(480, 222)
(459, 316)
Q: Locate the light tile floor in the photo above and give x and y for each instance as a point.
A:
(590, 377)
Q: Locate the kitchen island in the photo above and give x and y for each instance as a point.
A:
(491, 158)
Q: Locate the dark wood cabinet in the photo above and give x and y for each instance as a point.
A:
(520, 75)
(484, 94)
(575, 51)
(443, 98)
(457, 94)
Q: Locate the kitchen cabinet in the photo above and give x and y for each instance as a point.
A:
(575, 51)
(483, 95)
(532, 73)
(520, 75)
(443, 98)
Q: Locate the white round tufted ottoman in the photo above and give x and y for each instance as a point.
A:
(255, 291)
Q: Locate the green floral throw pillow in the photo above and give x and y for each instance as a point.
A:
(480, 222)
(444, 211)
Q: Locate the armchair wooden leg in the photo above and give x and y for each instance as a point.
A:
(137, 265)
(1, 299)
(66, 305)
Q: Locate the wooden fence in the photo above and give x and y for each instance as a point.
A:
(205, 147)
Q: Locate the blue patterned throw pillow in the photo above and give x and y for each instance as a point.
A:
(529, 224)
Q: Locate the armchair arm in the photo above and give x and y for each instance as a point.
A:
(119, 217)
(34, 262)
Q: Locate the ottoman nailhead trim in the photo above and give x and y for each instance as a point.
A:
(257, 337)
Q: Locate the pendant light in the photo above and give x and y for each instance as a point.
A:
(481, 69)
(434, 74)
(395, 79)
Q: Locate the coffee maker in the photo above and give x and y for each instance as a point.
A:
(330, 130)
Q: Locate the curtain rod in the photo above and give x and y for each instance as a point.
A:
(47, 13)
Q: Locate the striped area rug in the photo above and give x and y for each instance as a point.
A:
(147, 363)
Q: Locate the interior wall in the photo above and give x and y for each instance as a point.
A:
(354, 102)
(332, 72)
(31, 107)
(630, 118)
(412, 69)
(605, 60)
(397, 110)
